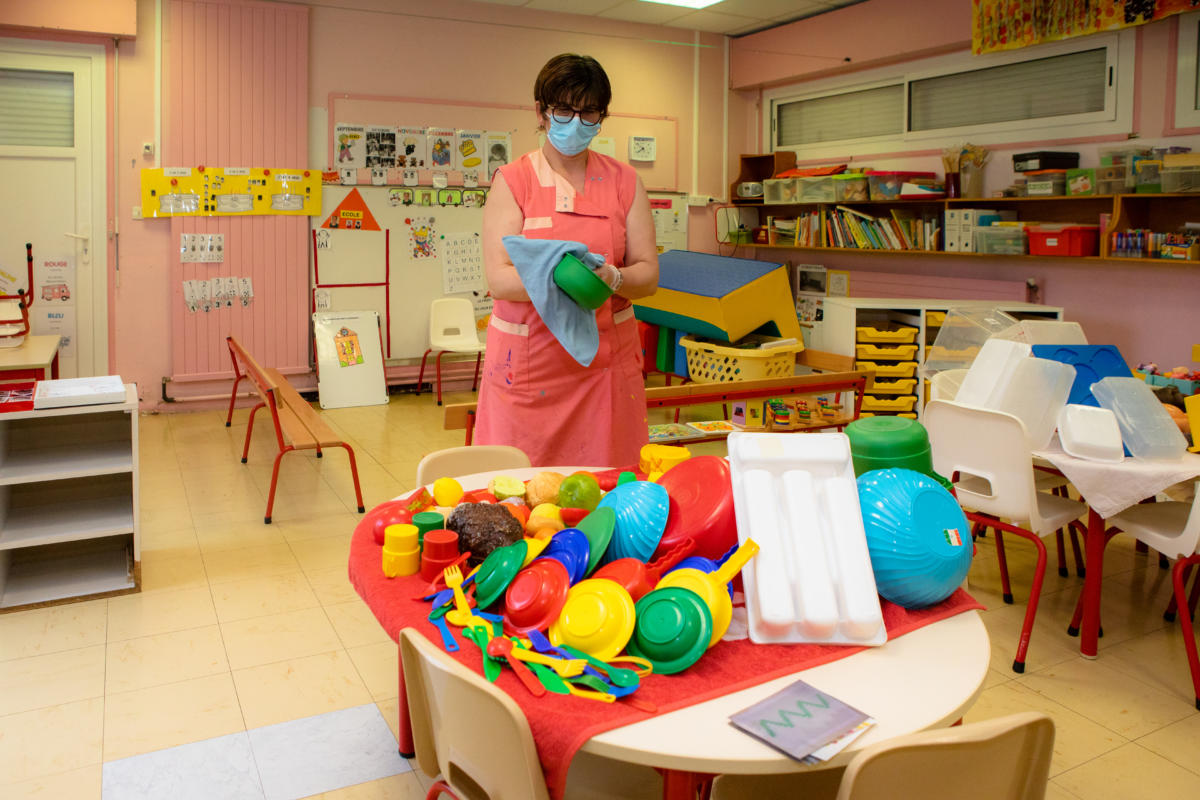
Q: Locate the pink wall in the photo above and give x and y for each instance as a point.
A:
(103, 17)
(1138, 307)
(856, 37)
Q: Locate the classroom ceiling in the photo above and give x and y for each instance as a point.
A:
(730, 17)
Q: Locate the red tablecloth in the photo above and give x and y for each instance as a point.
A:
(562, 724)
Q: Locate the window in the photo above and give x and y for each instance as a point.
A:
(1187, 68)
(1081, 87)
(37, 108)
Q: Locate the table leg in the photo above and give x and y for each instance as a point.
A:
(1094, 546)
(681, 785)
(404, 728)
(54, 366)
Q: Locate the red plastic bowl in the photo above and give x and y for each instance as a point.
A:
(536, 596)
(701, 495)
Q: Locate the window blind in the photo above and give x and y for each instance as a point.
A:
(852, 115)
(1046, 87)
(37, 108)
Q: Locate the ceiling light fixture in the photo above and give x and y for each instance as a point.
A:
(685, 3)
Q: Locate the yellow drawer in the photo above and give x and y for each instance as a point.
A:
(905, 414)
(899, 336)
(877, 352)
(903, 403)
(901, 386)
(945, 354)
(934, 319)
(901, 369)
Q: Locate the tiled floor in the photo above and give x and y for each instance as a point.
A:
(242, 627)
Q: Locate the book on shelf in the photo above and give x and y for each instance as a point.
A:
(79, 392)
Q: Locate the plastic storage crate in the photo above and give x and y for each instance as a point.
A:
(1000, 240)
(817, 189)
(779, 191)
(851, 187)
(887, 185)
(899, 369)
(904, 335)
(1080, 241)
(1180, 179)
(877, 404)
(884, 352)
(901, 386)
(716, 363)
(1048, 182)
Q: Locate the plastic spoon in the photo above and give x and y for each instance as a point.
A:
(503, 648)
(447, 637)
(543, 645)
(491, 667)
(567, 668)
(589, 694)
(619, 676)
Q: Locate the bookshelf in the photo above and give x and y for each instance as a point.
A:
(1160, 212)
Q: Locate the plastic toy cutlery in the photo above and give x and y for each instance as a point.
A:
(502, 648)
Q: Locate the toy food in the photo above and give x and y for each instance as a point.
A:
(543, 488)
(504, 487)
(482, 528)
(447, 491)
(580, 490)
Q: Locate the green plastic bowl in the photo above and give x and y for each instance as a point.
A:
(580, 283)
(887, 442)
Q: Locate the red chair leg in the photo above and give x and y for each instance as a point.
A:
(421, 374)
(1080, 569)
(354, 475)
(1169, 613)
(438, 364)
(475, 381)
(1185, 621)
(1035, 592)
(439, 788)
(1060, 549)
(1005, 584)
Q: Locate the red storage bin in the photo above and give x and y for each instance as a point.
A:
(1079, 241)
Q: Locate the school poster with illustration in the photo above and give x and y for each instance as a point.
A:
(351, 149)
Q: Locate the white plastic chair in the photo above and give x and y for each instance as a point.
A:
(989, 449)
(477, 738)
(469, 459)
(451, 330)
(1172, 529)
(998, 759)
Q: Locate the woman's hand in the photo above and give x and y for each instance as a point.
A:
(611, 276)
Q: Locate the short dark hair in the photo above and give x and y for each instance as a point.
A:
(573, 80)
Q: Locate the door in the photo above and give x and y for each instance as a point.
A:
(52, 168)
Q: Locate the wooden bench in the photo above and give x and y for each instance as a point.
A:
(297, 425)
(844, 379)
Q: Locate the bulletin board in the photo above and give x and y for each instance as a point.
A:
(416, 255)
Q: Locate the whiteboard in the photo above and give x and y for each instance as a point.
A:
(399, 270)
(349, 359)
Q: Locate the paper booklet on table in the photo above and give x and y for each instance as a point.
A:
(79, 392)
(802, 721)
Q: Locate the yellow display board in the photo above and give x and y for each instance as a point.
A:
(229, 191)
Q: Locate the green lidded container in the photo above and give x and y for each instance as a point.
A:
(580, 283)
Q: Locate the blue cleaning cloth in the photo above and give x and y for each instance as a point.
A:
(535, 260)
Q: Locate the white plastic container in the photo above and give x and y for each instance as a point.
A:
(990, 372)
(1146, 427)
(1034, 391)
(960, 337)
(1090, 433)
(812, 581)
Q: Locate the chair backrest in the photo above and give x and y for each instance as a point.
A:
(944, 385)
(468, 459)
(998, 759)
(452, 318)
(467, 729)
(980, 443)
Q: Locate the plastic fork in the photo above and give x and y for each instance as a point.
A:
(566, 667)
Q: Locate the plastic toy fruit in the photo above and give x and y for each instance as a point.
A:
(504, 487)
(447, 491)
(579, 491)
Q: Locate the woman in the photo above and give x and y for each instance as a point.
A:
(534, 395)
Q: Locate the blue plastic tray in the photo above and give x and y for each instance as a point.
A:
(1091, 361)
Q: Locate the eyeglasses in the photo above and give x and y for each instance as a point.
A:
(588, 116)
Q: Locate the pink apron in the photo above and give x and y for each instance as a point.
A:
(533, 394)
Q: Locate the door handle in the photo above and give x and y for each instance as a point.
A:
(87, 242)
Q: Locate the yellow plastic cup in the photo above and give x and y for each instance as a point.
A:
(401, 550)
(710, 586)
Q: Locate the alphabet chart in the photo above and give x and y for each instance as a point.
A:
(462, 263)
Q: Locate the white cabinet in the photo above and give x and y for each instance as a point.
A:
(838, 332)
(69, 502)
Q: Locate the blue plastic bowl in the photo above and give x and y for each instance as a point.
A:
(570, 548)
(919, 538)
(706, 565)
(641, 508)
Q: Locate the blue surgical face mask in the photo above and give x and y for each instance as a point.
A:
(571, 138)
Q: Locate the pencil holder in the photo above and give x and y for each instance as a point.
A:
(580, 283)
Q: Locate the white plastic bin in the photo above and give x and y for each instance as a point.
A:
(1090, 433)
(1034, 392)
(1146, 427)
(990, 371)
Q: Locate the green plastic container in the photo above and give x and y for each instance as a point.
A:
(580, 283)
(886, 442)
